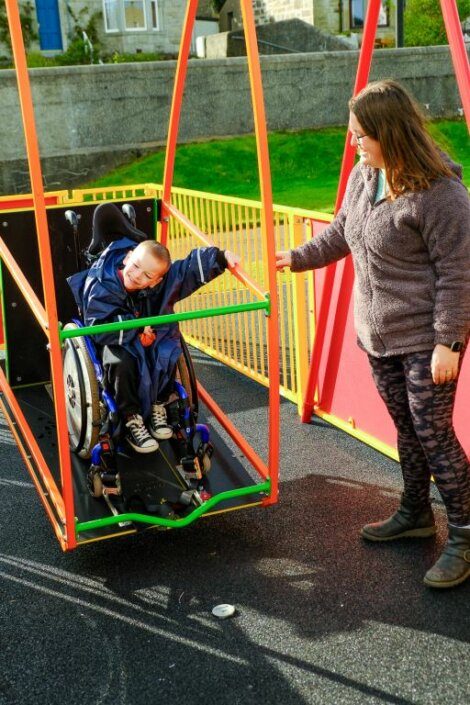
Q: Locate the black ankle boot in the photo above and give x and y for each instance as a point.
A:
(453, 566)
(410, 520)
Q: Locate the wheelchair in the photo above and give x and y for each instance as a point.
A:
(92, 417)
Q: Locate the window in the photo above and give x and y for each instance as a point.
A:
(357, 14)
(130, 15)
(134, 14)
(111, 18)
(154, 14)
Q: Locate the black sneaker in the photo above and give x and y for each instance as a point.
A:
(158, 426)
(138, 436)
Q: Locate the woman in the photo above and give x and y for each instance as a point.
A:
(406, 221)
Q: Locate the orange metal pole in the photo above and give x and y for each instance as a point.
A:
(47, 272)
(233, 432)
(236, 271)
(35, 305)
(267, 229)
(458, 53)
(175, 113)
(31, 442)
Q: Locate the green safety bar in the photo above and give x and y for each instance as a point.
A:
(80, 527)
(168, 318)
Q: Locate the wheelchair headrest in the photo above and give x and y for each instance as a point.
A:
(109, 224)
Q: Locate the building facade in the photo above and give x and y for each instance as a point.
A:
(124, 26)
(333, 16)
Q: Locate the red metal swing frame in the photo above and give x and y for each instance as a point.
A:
(339, 289)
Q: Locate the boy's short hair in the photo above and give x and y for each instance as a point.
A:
(156, 249)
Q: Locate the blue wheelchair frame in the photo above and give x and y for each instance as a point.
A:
(191, 428)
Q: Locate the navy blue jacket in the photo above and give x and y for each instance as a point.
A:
(102, 298)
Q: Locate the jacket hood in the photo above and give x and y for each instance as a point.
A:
(104, 269)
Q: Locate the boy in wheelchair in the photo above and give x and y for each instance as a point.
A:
(127, 281)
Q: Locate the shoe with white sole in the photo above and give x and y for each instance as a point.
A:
(138, 436)
(158, 425)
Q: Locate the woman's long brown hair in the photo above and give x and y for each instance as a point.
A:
(388, 114)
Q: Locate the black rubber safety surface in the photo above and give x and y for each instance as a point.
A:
(322, 617)
(157, 470)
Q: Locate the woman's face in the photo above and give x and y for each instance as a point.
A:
(368, 149)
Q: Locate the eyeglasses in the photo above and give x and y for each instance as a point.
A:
(359, 138)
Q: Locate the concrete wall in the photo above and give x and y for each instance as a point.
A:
(90, 118)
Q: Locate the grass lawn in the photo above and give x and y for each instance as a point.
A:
(305, 165)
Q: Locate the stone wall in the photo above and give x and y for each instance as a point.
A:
(270, 11)
(277, 10)
(4, 49)
(90, 118)
(323, 14)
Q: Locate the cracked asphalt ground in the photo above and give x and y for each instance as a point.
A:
(322, 617)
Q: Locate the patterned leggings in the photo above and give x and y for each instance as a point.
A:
(427, 444)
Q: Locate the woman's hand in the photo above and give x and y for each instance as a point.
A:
(444, 364)
(232, 259)
(283, 259)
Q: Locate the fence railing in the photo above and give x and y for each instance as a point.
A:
(240, 342)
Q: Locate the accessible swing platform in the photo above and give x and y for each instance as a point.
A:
(157, 471)
(227, 486)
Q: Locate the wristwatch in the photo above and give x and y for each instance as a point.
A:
(455, 346)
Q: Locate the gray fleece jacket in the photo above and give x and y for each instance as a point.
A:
(411, 259)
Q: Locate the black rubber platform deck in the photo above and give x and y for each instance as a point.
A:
(158, 469)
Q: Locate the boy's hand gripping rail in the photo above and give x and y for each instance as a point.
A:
(237, 271)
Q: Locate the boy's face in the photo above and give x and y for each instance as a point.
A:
(142, 270)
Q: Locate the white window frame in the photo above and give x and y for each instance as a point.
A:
(157, 15)
(134, 29)
(121, 17)
(106, 28)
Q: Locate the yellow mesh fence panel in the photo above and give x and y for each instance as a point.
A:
(240, 340)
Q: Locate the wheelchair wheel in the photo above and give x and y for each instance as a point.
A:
(81, 395)
(186, 376)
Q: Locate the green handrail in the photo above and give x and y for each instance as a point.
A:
(80, 527)
(167, 318)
